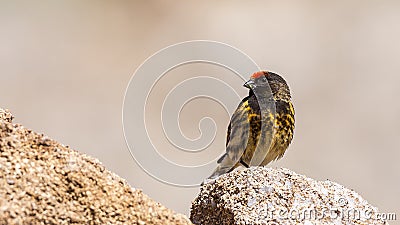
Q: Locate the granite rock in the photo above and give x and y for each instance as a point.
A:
(261, 195)
(45, 182)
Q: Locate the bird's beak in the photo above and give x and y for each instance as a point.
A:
(249, 84)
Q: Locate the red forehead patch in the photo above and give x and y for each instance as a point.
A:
(257, 74)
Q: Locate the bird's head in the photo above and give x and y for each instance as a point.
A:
(278, 85)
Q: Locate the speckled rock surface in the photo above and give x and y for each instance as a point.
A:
(44, 182)
(5, 115)
(261, 195)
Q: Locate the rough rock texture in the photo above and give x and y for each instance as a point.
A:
(44, 182)
(5, 115)
(261, 195)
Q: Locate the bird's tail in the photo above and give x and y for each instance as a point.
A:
(225, 165)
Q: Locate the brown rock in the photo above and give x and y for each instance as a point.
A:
(5, 115)
(261, 195)
(44, 182)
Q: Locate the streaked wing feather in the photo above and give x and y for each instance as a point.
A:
(238, 132)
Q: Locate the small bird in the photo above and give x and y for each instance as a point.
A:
(262, 126)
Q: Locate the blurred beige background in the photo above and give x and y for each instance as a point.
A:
(64, 67)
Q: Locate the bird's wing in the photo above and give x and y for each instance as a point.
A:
(238, 133)
(236, 140)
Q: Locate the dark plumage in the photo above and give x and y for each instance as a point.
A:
(252, 125)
